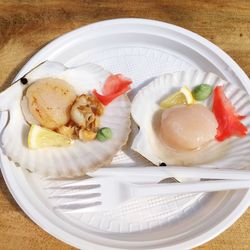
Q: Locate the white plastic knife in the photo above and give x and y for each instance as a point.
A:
(156, 174)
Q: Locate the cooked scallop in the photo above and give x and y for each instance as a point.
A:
(54, 87)
(188, 127)
(49, 102)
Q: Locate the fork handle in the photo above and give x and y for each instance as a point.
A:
(190, 187)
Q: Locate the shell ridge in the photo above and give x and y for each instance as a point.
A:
(9, 97)
(58, 162)
(166, 82)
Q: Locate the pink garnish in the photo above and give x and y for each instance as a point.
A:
(114, 86)
(229, 122)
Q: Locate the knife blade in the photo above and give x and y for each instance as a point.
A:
(157, 174)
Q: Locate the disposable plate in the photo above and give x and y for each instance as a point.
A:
(140, 49)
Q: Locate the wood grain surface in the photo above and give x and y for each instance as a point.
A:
(26, 26)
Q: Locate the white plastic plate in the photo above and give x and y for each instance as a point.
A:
(140, 49)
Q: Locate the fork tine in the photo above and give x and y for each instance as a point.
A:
(79, 207)
(89, 181)
(86, 195)
(74, 195)
(86, 190)
(74, 187)
(83, 184)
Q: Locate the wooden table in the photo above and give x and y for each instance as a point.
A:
(26, 26)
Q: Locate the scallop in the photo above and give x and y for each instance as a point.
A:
(184, 135)
(53, 86)
(188, 127)
(49, 102)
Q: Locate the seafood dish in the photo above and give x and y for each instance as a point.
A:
(192, 118)
(69, 121)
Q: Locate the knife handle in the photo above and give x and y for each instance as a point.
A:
(156, 174)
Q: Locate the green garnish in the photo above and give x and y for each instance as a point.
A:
(104, 134)
(202, 92)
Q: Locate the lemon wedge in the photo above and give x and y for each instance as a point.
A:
(39, 137)
(183, 96)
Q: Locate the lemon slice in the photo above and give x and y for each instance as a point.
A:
(188, 94)
(183, 96)
(39, 137)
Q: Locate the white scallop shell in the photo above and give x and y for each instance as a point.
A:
(231, 153)
(79, 157)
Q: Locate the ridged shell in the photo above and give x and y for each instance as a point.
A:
(231, 153)
(80, 157)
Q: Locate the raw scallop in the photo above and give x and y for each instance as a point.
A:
(188, 127)
(146, 112)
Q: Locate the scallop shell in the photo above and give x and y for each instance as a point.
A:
(231, 153)
(80, 157)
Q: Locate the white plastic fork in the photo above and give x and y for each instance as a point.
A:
(104, 193)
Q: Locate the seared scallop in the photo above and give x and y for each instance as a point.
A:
(49, 101)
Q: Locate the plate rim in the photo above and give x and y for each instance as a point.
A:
(65, 236)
